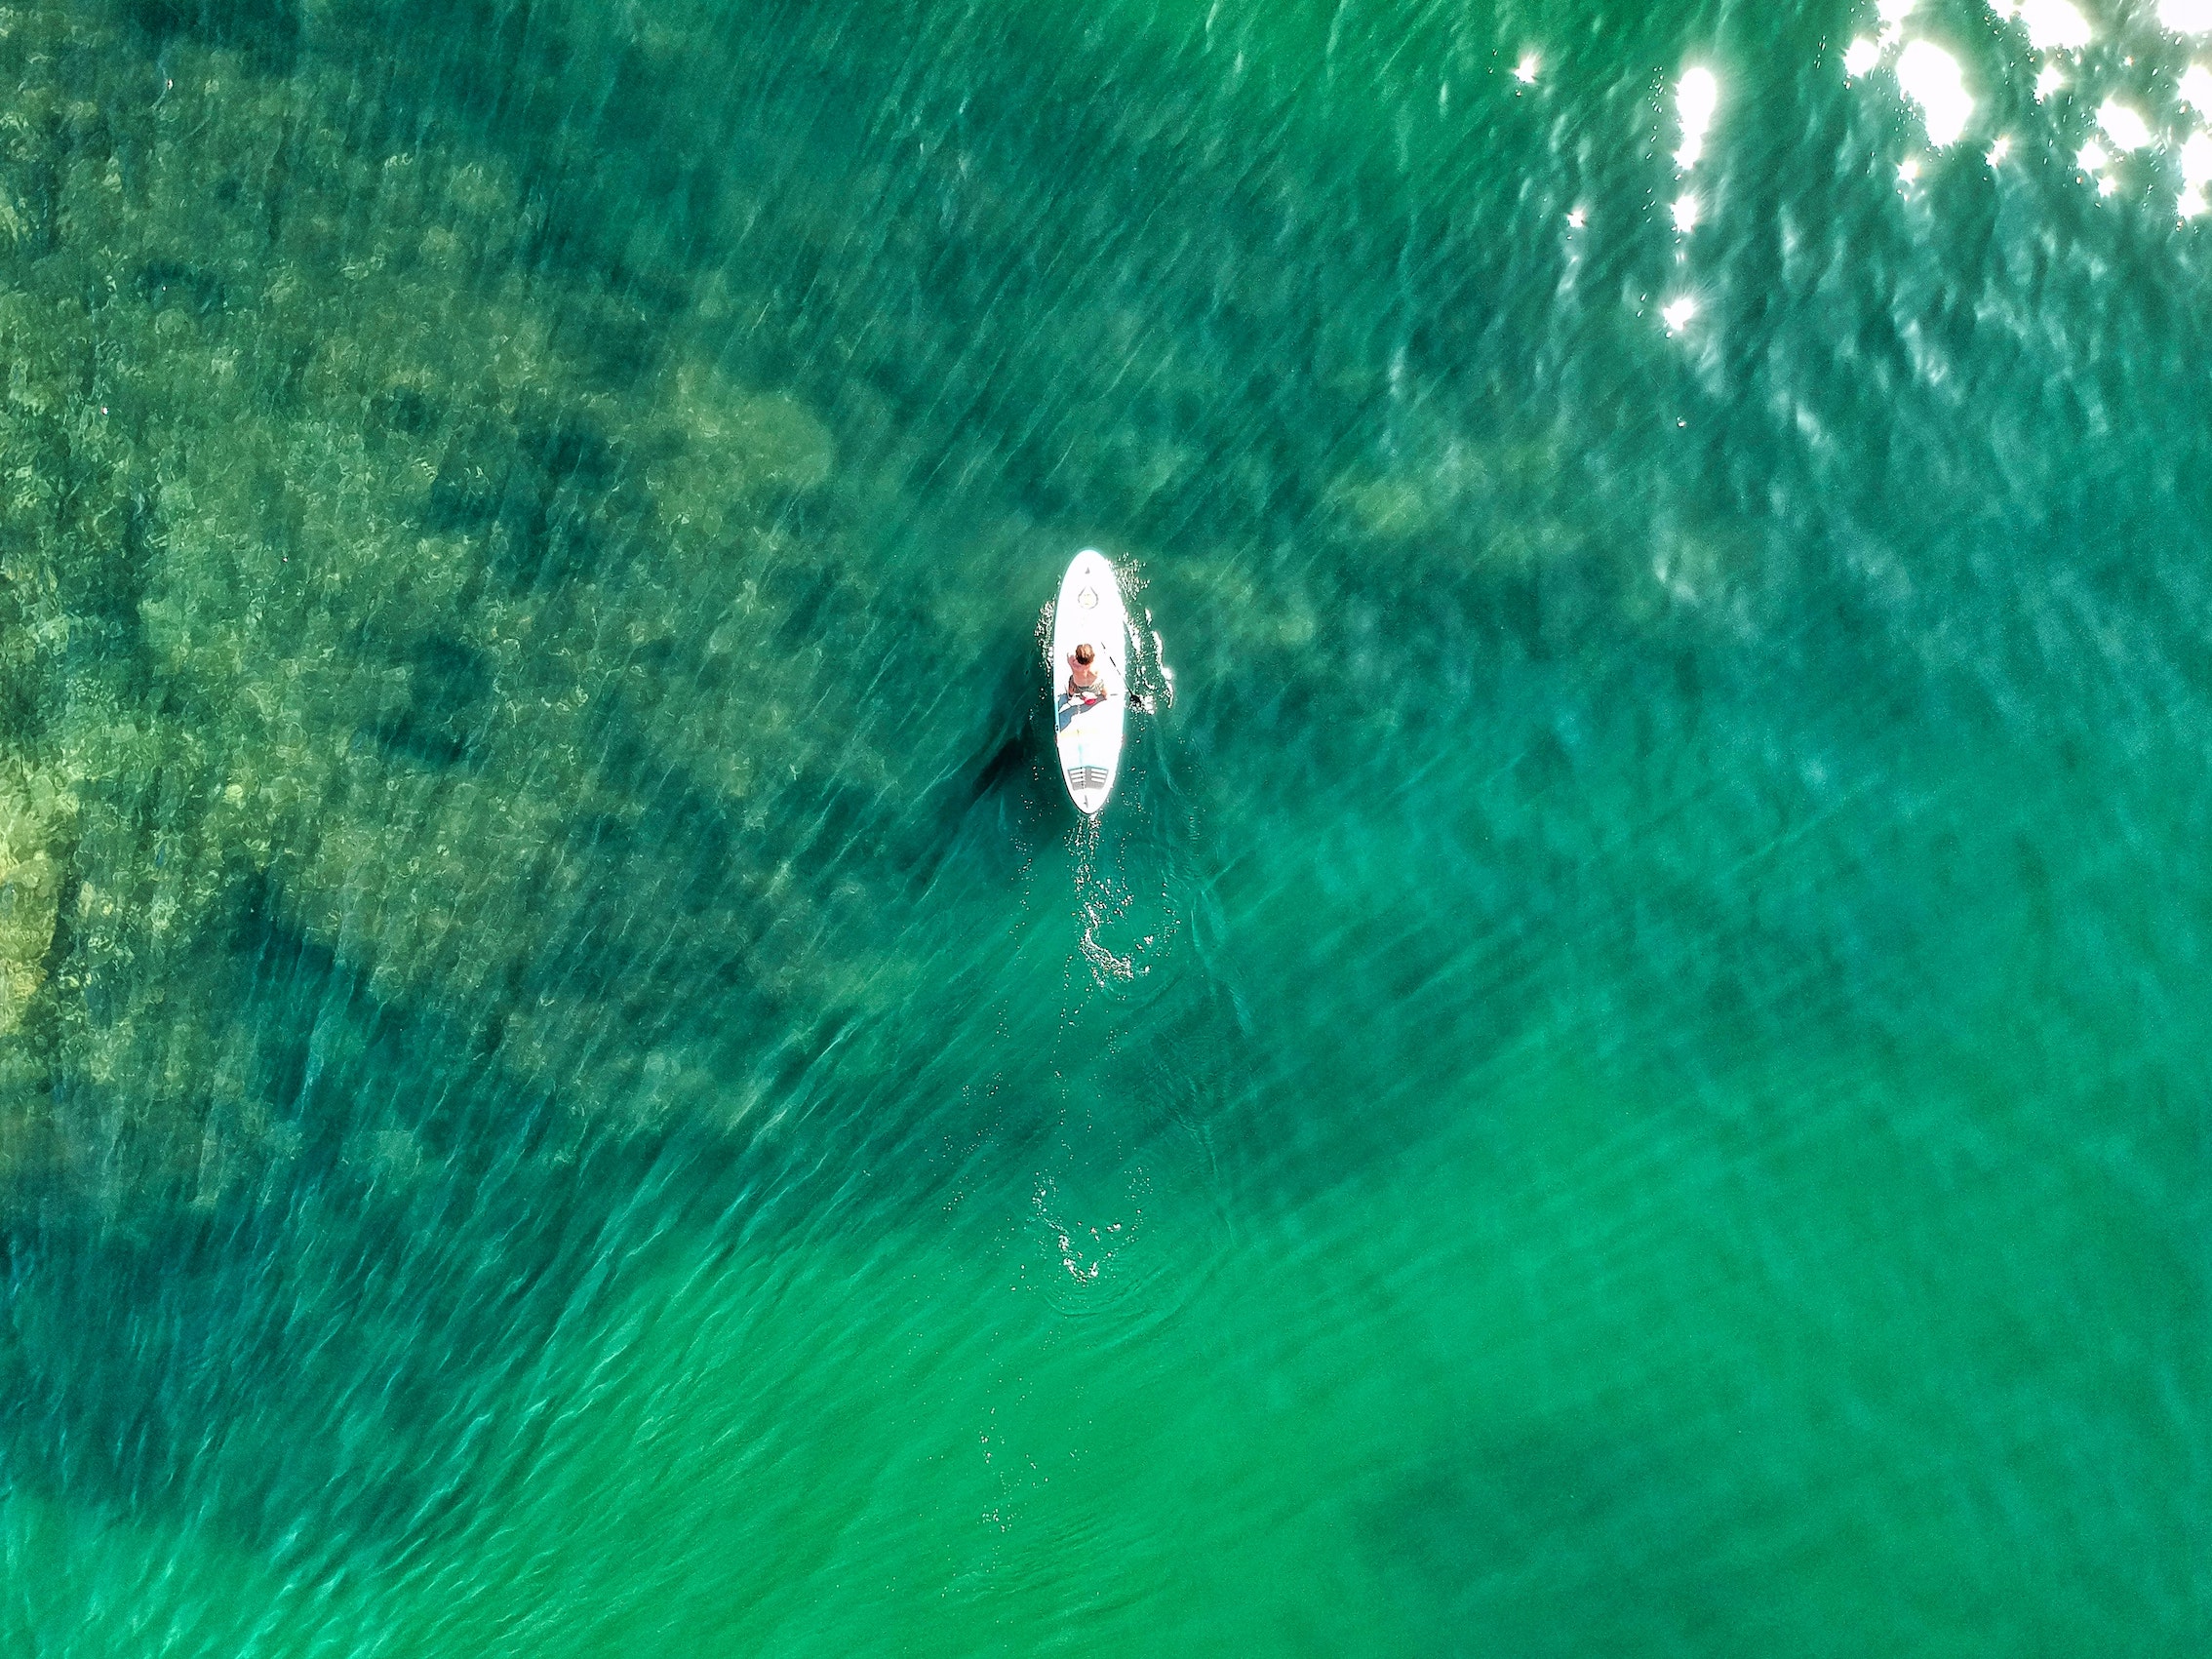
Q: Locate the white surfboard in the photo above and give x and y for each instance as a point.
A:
(1091, 612)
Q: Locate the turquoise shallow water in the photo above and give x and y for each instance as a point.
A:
(1626, 1072)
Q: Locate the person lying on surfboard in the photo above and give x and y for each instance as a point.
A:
(1085, 682)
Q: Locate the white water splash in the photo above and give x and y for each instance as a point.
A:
(2055, 26)
(2186, 16)
(1697, 99)
(1930, 77)
(2196, 89)
(2124, 126)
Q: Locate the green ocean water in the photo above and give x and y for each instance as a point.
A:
(1625, 1072)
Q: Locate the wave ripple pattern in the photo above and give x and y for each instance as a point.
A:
(1626, 1071)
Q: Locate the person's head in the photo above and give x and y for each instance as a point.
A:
(1082, 654)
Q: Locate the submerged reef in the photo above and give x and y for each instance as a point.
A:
(346, 555)
(32, 820)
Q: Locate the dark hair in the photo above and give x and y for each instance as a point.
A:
(1083, 653)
